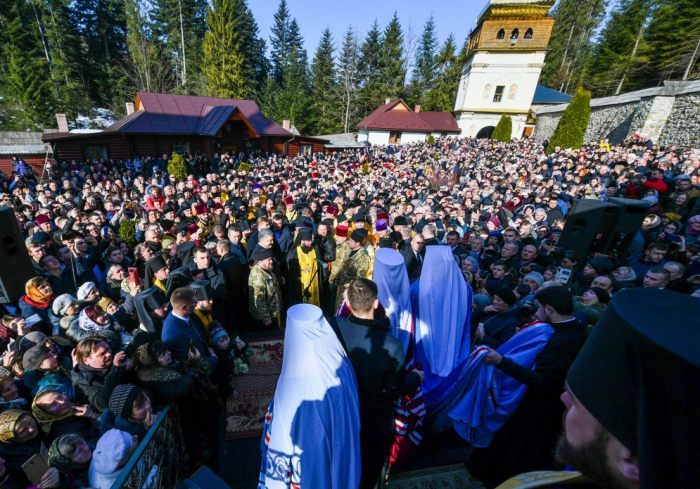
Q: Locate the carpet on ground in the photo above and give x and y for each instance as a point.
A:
(446, 477)
(246, 408)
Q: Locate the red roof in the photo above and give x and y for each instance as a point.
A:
(162, 113)
(407, 120)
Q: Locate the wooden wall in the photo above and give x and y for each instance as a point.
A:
(34, 160)
(485, 35)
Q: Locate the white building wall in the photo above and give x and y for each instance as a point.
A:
(378, 137)
(517, 71)
(362, 135)
(413, 137)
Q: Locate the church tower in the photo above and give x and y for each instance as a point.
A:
(505, 56)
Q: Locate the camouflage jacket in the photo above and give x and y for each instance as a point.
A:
(351, 267)
(265, 296)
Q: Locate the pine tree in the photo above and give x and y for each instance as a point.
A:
(503, 130)
(444, 91)
(371, 95)
(147, 67)
(324, 86)
(280, 41)
(573, 123)
(101, 29)
(348, 86)
(224, 65)
(294, 100)
(617, 60)
(424, 72)
(27, 92)
(571, 42)
(391, 60)
(673, 42)
(180, 25)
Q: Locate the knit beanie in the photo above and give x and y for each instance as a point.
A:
(603, 296)
(506, 295)
(121, 402)
(8, 422)
(601, 264)
(110, 451)
(491, 286)
(62, 303)
(536, 276)
(217, 333)
(84, 290)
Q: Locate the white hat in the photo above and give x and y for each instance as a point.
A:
(62, 303)
(84, 290)
(110, 451)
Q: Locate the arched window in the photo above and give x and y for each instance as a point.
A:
(528, 33)
(514, 34)
(501, 34)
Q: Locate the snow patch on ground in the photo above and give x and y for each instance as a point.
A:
(96, 119)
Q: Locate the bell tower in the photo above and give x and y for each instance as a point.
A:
(505, 56)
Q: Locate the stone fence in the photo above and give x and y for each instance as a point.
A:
(669, 115)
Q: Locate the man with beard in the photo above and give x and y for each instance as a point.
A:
(349, 266)
(304, 270)
(631, 398)
(265, 296)
(526, 442)
(157, 272)
(203, 268)
(203, 219)
(202, 311)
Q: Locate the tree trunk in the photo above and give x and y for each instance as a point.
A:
(692, 61)
(182, 40)
(631, 59)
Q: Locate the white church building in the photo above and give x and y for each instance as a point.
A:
(504, 60)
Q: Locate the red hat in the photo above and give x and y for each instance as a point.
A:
(314, 175)
(42, 219)
(342, 231)
(285, 186)
(192, 228)
(218, 205)
(313, 163)
(382, 215)
(288, 200)
(332, 210)
(200, 209)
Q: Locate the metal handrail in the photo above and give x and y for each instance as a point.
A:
(158, 449)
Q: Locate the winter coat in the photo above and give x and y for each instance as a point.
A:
(111, 334)
(499, 327)
(95, 385)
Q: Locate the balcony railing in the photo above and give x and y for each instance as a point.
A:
(157, 460)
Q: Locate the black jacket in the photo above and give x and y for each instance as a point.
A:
(96, 385)
(413, 265)
(526, 442)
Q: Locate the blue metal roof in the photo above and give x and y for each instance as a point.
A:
(544, 95)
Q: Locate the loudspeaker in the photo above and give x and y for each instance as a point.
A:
(587, 227)
(15, 265)
(630, 216)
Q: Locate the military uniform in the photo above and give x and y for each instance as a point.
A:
(351, 267)
(265, 296)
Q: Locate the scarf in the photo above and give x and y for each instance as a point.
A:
(40, 304)
(38, 298)
(45, 419)
(87, 324)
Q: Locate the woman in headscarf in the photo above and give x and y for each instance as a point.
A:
(57, 416)
(165, 377)
(37, 300)
(20, 438)
(71, 454)
(394, 294)
(93, 321)
(312, 429)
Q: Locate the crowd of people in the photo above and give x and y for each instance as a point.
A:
(416, 275)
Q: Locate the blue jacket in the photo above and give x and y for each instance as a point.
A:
(177, 334)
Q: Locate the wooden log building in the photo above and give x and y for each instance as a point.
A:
(159, 123)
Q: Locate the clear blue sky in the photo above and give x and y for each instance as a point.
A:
(313, 16)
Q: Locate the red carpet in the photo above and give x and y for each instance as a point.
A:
(246, 408)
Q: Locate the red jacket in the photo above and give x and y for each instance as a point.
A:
(657, 184)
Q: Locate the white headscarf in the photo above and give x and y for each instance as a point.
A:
(394, 293)
(315, 428)
(444, 300)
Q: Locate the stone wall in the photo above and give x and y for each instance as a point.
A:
(683, 124)
(669, 115)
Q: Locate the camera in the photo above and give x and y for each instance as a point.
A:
(483, 273)
(548, 242)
